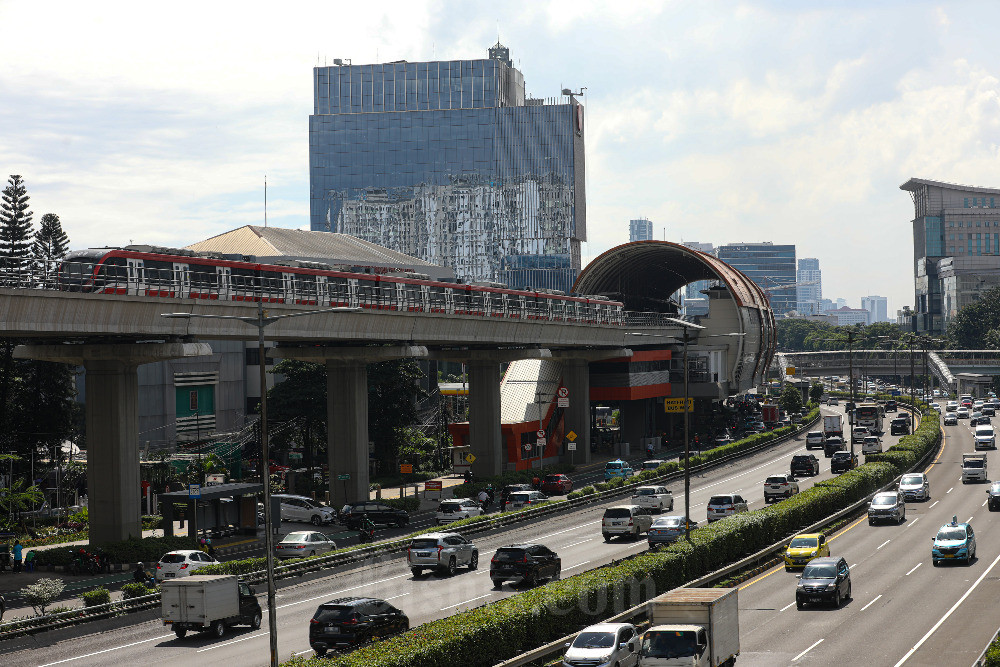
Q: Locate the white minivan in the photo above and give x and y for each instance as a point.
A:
(985, 437)
(302, 508)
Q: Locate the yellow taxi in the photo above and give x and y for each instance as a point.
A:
(803, 548)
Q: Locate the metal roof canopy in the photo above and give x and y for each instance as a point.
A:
(215, 491)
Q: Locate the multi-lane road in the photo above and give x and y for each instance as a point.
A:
(882, 557)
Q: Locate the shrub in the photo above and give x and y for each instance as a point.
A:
(42, 593)
(151, 522)
(407, 504)
(97, 596)
(132, 550)
(134, 589)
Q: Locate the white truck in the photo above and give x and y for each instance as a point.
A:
(974, 468)
(208, 603)
(833, 426)
(694, 627)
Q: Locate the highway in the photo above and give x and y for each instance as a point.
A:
(575, 536)
(904, 610)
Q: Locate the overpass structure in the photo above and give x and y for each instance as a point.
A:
(111, 334)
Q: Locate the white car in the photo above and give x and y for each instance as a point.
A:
(952, 406)
(962, 413)
(519, 499)
(656, 498)
(303, 508)
(914, 486)
(604, 644)
(814, 439)
(985, 437)
(176, 564)
(872, 444)
(950, 419)
(460, 508)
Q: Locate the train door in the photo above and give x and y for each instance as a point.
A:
(288, 294)
(322, 296)
(449, 300)
(352, 292)
(136, 276)
(181, 281)
(224, 279)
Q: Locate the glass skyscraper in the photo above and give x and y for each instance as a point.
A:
(451, 163)
(810, 286)
(771, 266)
(640, 230)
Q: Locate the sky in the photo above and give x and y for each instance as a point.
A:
(722, 122)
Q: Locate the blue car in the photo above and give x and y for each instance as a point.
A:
(954, 541)
(617, 468)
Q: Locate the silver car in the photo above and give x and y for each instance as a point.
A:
(915, 486)
(441, 551)
(667, 529)
(460, 508)
(520, 499)
(305, 543)
(887, 506)
(603, 645)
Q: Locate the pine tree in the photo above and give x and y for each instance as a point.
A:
(15, 227)
(50, 245)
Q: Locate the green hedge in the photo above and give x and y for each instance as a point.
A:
(488, 634)
(407, 504)
(97, 596)
(132, 550)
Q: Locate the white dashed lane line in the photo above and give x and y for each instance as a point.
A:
(807, 650)
(914, 568)
(872, 602)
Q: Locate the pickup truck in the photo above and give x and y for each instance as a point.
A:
(208, 603)
(974, 468)
(696, 627)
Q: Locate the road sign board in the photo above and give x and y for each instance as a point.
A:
(432, 485)
(790, 370)
(677, 405)
(344, 476)
(470, 457)
(540, 442)
(562, 402)
(563, 392)
(406, 468)
(194, 491)
(571, 446)
(571, 436)
(540, 433)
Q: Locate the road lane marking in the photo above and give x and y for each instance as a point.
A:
(230, 643)
(969, 520)
(577, 565)
(933, 504)
(566, 546)
(807, 650)
(984, 502)
(566, 530)
(872, 602)
(342, 590)
(466, 602)
(910, 523)
(950, 490)
(914, 568)
(882, 545)
(107, 650)
(786, 606)
(948, 613)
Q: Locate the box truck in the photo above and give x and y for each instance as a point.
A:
(208, 603)
(695, 627)
(833, 425)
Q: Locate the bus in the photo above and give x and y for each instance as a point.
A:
(869, 416)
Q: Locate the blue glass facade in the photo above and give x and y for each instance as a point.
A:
(771, 266)
(449, 162)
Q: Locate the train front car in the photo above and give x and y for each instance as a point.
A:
(79, 270)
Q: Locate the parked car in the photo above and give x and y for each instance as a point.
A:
(872, 444)
(804, 464)
(652, 464)
(353, 514)
(182, 563)
(625, 520)
(556, 485)
(350, 622)
(993, 497)
(666, 529)
(843, 461)
(950, 419)
(524, 498)
(655, 497)
(617, 468)
(304, 543)
(887, 506)
(525, 563)
(513, 488)
(302, 508)
(814, 439)
(914, 486)
(803, 548)
(779, 486)
(824, 580)
(442, 552)
(728, 504)
(833, 445)
(954, 541)
(604, 644)
(459, 508)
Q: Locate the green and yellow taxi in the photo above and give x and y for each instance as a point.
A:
(803, 548)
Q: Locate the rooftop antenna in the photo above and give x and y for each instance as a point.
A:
(265, 201)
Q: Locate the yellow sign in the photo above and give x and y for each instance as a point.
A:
(571, 436)
(677, 405)
(790, 370)
(470, 457)
(406, 468)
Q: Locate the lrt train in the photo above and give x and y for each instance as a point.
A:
(184, 274)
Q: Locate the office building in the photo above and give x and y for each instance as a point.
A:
(640, 230)
(878, 306)
(771, 266)
(956, 249)
(809, 286)
(450, 162)
(848, 316)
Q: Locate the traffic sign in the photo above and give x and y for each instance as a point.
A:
(563, 392)
(540, 442)
(571, 446)
(344, 476)
(432, 485)
(677, 405)
(470, 457)
(540, 433)
(194, 491)
(527, 446)
(790, 370)
(406, 468)
(571, 436)
(562, 402)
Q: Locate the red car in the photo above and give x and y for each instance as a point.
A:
(556, 485)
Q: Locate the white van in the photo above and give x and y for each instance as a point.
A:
(872, 444)
(985, 437)
(303, 508)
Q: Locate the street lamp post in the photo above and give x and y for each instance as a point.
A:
(850, 379)
(261, 320)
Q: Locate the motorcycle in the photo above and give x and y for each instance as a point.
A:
(84, 563)
(366, 536)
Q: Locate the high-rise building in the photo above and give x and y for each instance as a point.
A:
(956, 249)
(809, 286)
(771, 266)
(450, 162)
(847, 316)
(877, 306)
(640, 230)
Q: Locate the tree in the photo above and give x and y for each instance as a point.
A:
(51, 244)
(42, 593)
(393, 391)
(791, 400)
(816, 392)
(15, 225)
(977, 325)
(301, 397)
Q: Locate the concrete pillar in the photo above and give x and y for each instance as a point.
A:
(576, 378)
(485, 436)
(347, 430)
(633, 426)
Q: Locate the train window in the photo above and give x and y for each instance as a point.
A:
(436, 298)
(463, 302)
(368, 294)
(338, 289)
(412, 298)
(558, 309)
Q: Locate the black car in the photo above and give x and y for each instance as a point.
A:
(993, 497)
(349, 622)
(890, 406)
(832, 445)
(526, 563)
(804, 464)
(825, 579)
(899, 426)
(352, 515)
(843, 461)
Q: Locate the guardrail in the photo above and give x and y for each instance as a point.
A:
(361, 554)
(638, 612)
